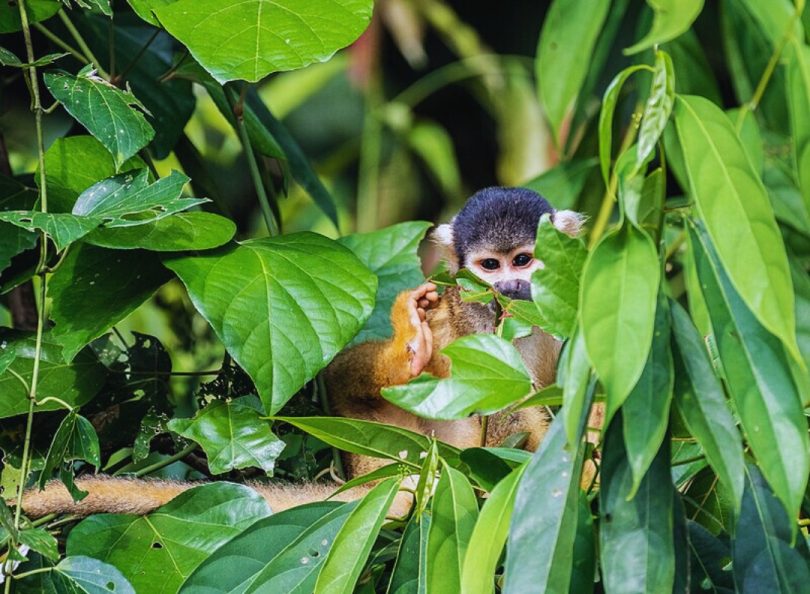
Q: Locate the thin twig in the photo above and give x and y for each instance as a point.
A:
(77, 37)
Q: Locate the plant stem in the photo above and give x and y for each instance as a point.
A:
(20, 576)
(323, 397)
(77, 37)
(770, 68)
(138, 56)
(166, 461)
(367, 215)
(56, 40)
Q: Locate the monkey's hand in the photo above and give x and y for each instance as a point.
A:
(409, 317)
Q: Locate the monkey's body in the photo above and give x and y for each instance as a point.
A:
(494, 237)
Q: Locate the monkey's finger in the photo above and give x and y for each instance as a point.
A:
(428, 336)
(422, 314)
(424, 303)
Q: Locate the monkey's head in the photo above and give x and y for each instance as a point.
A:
(494, 234)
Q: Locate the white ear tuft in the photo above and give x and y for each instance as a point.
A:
(568, 221)
(443, 237)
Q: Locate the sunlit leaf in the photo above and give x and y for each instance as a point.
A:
(182, 231)
(249, 39)
(233, 435)
(85, 575)
(255, 292)
(658, 108)
(62, 228)
(798, 94)
(671, 18)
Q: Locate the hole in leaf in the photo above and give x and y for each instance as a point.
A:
(111, 586)
(157, 545)
(314, 554)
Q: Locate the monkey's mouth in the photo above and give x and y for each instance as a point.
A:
(515, 289)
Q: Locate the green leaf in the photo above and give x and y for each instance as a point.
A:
(370, 439)
(763, 557)
(488, 374)
(94, 289)
(158, 551)
(62, 228)
(105, 110)
(543, 527)
(353, 543)
(8, 58)
(563, 183)
(575, 372)
(555, 286)
(671, 18)
(83, 575)
(391, 255)
(701, 403)
(636, 540)
(269, 555)
(410, 569)
(179, 232)
(759, 379)
(102, 6)
(14, 239)
(708, 560)
(567, 40)
(144, 8)
(609, 102)
(776, 19)
(75, 383)
(617, 308)
(75, 439)
(249, 39)
(41, 541)
(646, 411)
(38, 10)
(253, 293)
(453, 516)
(233, 435)
(726, 188)
(433, 144)
(658, 108)
(798, 94)
(489, 536)
(75, 163)
(486, 468)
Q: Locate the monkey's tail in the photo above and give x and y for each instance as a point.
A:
(140, 496)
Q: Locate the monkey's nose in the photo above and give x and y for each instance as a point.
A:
(515, 289)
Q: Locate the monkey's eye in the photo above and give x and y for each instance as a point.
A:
(490, 264)
(522, 260)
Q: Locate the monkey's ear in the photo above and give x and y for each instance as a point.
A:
(568, 221)
(444, 239)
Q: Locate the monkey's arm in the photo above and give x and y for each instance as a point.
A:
(357, 375)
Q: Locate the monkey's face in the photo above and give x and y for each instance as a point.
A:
(510, 271)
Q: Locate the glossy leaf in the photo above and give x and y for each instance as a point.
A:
(158, 551)
(658, 108)
(489, 536)
(94, 289)
(368, 438)
(144, 8)
(708, 560)
(105, 110)
(759, 379)
(353, 543)
(85, 575)
(617, 308)
(543, 527)
(254, 292)
(487, 375)
(636, 542)
(798, 94)
(233, 435)
(391, 255)
(645, 413)
(569, 34)
(575, 371)
(248, 40)
(179, 232)
(764, 557)
(555, 287)
(62, 228)
(453, 518)
(701, 403)
(726, 188)
(409, 573)
(75, 439)
(268, 555)
(609, 102)
(670, 19)
(75, 383)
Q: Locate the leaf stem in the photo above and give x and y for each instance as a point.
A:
(166, 461)
(138, 56)
(77, 37)
(54, 399)
(323, 397)
(59, 42)
(20, 576)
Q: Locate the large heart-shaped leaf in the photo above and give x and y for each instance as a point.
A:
(157, 552)
(488, 374)
(283, 306)
(249, 39)
(105, 110)
(233, 435)
(391, 255)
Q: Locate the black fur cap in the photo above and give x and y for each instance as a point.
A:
(498, 218)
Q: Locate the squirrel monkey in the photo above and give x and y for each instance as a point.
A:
(493, 236)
